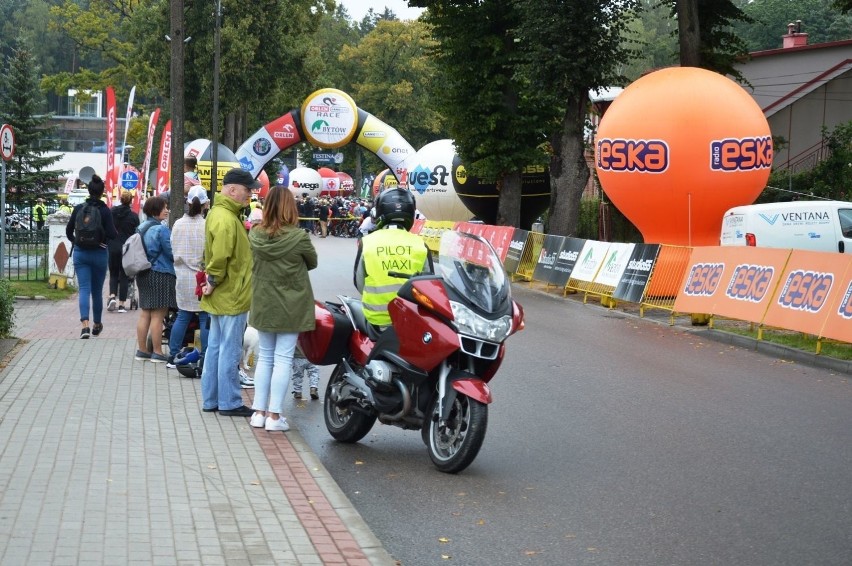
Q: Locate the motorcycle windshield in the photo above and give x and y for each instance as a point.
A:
(469, 265)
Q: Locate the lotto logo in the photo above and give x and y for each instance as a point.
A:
(741, 155)
(806, 290)
(644, 156)
(703, 279)
(750, 282)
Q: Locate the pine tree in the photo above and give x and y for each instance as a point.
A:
(28, 175)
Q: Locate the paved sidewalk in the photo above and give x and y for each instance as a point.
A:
(108, 460)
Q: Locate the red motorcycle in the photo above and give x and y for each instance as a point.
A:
(428, 371)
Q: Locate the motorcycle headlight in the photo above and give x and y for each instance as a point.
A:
(468, 322)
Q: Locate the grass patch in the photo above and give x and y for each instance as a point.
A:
(40, 289)
(789, 338)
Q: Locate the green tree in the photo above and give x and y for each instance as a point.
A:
(653, 36)
(22, 107)
(496, 129)
(823, 20)
(514, 82)
(392, 77)
(706, 37)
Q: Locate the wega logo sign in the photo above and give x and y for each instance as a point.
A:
(750, 283)
(744, 154)
(703, 279)
(643, 156)
(805, 290)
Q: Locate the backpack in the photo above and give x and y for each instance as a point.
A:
(88, 229)
(134, 254)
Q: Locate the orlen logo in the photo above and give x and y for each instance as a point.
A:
(703, 279)
(845, 309)
(743, 154)
(806, 290)
(288, 133)
(644, 156)
(750, 282)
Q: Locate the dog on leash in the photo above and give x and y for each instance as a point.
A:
(250, 348)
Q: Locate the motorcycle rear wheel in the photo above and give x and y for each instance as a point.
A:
(454, 446)
(343, 423)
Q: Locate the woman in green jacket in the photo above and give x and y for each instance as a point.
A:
(282, 302)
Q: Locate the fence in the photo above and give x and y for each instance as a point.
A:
(25, 255)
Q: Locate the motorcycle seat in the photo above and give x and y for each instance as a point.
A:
(360, 320)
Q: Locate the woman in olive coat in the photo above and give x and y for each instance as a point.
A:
(282, 303)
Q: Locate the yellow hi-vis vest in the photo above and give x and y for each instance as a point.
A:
(383, 251)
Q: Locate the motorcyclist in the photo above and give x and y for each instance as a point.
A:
(391, 247)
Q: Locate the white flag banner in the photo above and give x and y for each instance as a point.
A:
(127, 122)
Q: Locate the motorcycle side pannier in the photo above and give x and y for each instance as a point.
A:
(328, 342)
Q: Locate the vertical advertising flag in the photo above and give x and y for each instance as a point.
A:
(165, 160)
(146, 165)
(110, 172)
(127, 123)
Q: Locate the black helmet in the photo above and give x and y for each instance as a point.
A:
(395, 206)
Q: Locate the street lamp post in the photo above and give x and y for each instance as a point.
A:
(214, 156)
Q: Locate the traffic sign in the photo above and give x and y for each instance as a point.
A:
(129, 180)
(7, 142)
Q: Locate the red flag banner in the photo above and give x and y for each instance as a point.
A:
(110, 178)
(165, 160)
(146, 165)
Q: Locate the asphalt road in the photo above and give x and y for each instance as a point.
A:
(613, 440)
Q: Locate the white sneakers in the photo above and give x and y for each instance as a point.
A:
(257, 420)
(260, 421)
(278, 425)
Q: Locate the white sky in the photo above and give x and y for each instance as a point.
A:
(358, 8)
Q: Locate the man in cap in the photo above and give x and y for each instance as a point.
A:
(226, 294)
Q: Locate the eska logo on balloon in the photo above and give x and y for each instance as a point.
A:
(743, 154)
(649, 156)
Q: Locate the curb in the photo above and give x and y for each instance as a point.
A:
(369, 543)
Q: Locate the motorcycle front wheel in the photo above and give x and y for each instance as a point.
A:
(343, 422)
(454, 445)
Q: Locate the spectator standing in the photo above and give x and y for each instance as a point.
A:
(188, 250)
(282, 302)
(226, 294)
(126, 222)
(90, 261)
(156, 285)
(39, 213)
(322, 214)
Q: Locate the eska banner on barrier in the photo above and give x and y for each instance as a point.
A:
(809, 294)
(735, 282)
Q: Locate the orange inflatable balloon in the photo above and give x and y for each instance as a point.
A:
(264, 184)
(677, 149)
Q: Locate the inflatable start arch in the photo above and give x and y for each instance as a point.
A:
(329, 118)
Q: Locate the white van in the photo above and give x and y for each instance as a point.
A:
(824, 226)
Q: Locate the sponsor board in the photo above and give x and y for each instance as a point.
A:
(515, 250)
(614, 264)
(547, 257)
(637, 273)
(566, 259)
(590, 260)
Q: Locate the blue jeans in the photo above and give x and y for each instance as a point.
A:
(220, 380)
(179, 330)
(90, 267)
(274, 367)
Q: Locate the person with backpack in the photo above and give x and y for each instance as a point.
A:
(89, 229)
(156, 285)
(126, 222)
